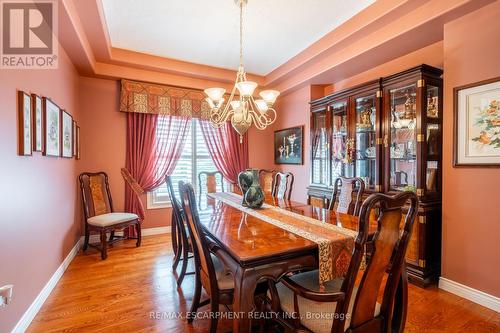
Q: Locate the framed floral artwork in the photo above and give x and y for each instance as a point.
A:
(51, 128)
(288, 145)
(25, 124)
(36, 102)
(66, 135)
(477, 124)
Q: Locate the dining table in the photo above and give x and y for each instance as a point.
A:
(262, 250)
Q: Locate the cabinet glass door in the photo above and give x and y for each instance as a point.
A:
(339, 139)
(403, 143)
(319, 150)
(433, 134)
(366, 159)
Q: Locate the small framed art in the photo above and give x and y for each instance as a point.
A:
(288, 145)
(25, 124)
(77, 142)
(36, 103)
(66, 134)
(477, 124)
(51, 128)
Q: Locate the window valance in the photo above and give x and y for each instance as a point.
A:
(142, 97)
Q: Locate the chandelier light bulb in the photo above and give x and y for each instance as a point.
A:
(235, 105)
(269, 95)
(261, 105)
(215, 94)
(246, 88)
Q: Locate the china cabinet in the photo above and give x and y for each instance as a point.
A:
(389, 133)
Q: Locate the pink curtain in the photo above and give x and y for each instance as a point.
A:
(154, 145)
(229, 155)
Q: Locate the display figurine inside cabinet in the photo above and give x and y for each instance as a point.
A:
(394, 125)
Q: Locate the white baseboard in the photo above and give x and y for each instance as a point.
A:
(474, 295)
(28, 316)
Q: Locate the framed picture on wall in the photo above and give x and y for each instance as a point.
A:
(51, 128)
(66, 135)
(477, 124)
(74, 138)
(25, 127)
(36, 102)
(289, 145)
(77, 142)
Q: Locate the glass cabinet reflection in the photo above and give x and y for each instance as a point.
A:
(366, 132)
(403, 139)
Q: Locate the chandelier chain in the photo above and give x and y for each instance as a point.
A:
(241, 33)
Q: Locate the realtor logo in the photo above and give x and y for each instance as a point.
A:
(29, 30)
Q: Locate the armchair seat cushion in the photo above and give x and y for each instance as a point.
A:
(109, 219)
(316, 316)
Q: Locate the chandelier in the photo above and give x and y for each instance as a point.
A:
(244, 109)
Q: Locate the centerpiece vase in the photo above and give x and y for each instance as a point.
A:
(253, 195)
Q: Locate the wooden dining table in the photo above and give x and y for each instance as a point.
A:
(262, 250)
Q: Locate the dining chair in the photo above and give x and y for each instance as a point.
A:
(207, 181)
(210, 260)
(282, 186)
(99, 214)
(344, 306)
(181, 243)
(319, 202)
(266, 180)
(347, 195)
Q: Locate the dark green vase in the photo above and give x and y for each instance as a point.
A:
(253, 195)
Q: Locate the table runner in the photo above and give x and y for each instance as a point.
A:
(335, 244)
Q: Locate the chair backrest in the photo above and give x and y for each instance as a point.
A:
(207, 181)
(283, 184)
(96, 195)
(177, 216)
(387, 258)
(347, 195)
(266, 180)
(200, 247)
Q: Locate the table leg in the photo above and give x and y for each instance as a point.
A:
(244, 289)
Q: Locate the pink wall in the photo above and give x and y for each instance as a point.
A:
(104, 142)
(471, 221)
(39, 215)
(293, 110)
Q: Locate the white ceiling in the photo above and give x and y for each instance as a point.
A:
(207, 31)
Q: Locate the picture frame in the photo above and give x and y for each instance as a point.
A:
(477, 124)
(77, 142)
(74, 138)
(66, 134)
(289, 145)
(37, 110)
(25, 124)
(51, 128)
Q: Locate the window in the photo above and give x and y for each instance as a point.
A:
(194, 159)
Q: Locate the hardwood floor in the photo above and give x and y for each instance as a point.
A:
(125, 292)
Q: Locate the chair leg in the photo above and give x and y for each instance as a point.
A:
(177, 256)
(214, 309)
(86, 242)
(111, 235)
(196, 299)
(185, 259)
(138, 229)
(104, 245)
